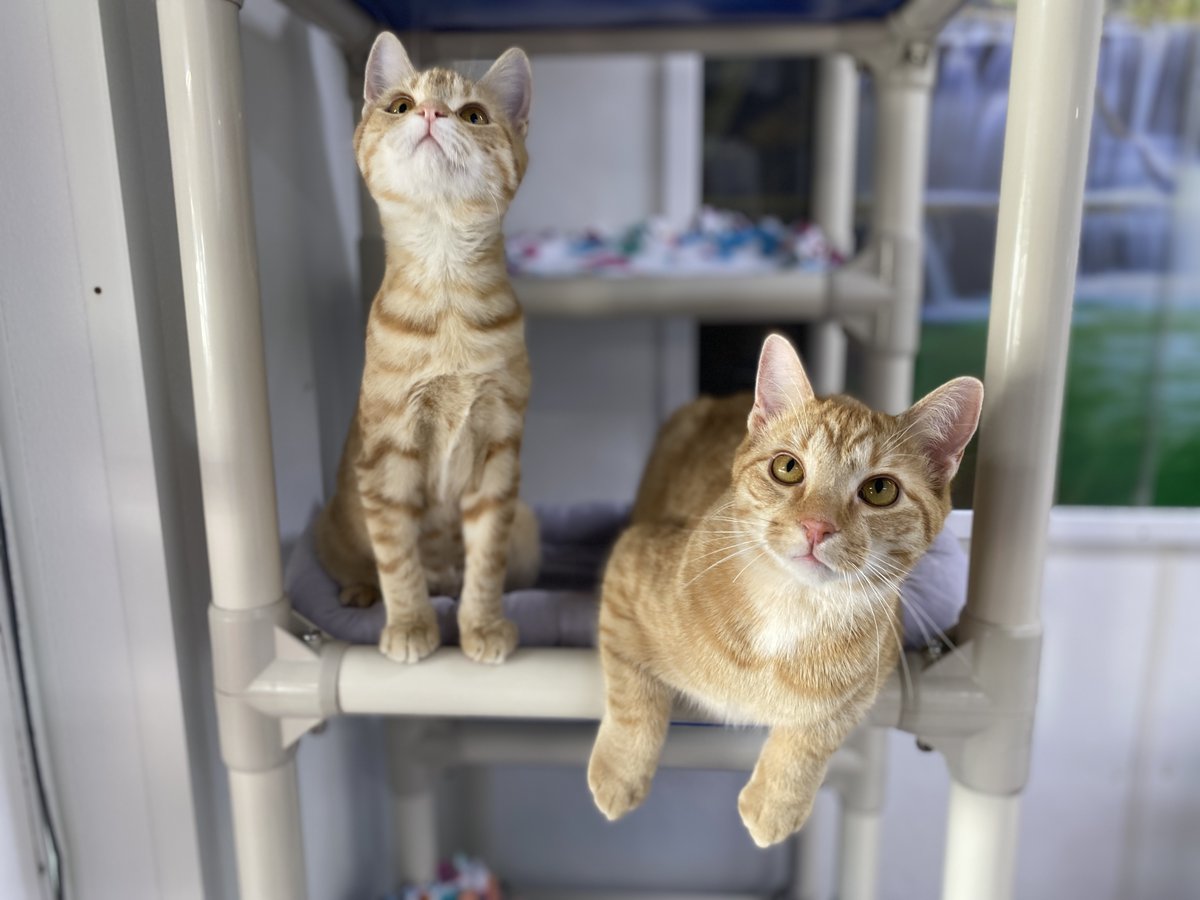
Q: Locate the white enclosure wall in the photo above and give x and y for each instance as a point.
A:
(93, 462)
(602, 386)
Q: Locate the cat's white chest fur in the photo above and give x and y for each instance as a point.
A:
(790, 615)
(782, 632)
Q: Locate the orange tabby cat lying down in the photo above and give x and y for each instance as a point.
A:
(760, 577)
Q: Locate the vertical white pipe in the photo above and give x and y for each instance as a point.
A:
(900, 158)
(413, 785)
(862, 796)
(836, 137)
(1056, 45)
(825, 356)
(981, 843)
(813, 860)
(202, 80)
(858, 859)
(266, 811)
(202, 75)
(833, 204)
(414, 821)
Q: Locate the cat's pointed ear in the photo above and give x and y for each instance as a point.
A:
(944, 420)
(387, 66)
(510, 79)
(781, 383)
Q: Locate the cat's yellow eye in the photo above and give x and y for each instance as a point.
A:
(474, 114)
(401, 105)
(880, 491)
(787, 469)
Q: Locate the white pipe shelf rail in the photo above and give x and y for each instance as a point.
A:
(764, 296)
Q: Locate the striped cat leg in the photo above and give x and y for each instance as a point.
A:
(636, 711)
(779, 796)
(487, 519)
(392, 509)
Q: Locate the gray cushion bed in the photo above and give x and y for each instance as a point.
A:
(560, 611)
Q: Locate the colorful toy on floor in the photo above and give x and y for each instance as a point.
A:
(461, 878)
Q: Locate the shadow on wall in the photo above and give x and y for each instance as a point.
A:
(300, 121)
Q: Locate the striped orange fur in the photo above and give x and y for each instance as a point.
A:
(767, 592)
(426, 495)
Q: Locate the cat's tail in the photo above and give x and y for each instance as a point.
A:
(524, 549)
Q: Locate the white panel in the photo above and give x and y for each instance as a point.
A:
(1162, 827)
(914, 821)
(593, 146)
(344, 810)
(81, 487)
(686, 837)
(593, 412)
(1096, 613)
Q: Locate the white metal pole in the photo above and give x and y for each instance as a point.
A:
(266, 813)
(202, 72)
(862, 795)
(833, 204)
(858, 860)
(1056, 45)
(814, 848)
(413, 781)
(202, 78)
(981, 844)
(902, 92)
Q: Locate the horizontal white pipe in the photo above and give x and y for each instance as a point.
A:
(570, 744)
(562, 683)
(1108, 530)
(549, 683)
(764, 296)
(726, 40)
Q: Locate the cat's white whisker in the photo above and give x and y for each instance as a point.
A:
(719, 562)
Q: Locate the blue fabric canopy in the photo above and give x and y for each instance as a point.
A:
(527, 15)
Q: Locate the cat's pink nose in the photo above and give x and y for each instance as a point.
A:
(433, 111)
(817, 530)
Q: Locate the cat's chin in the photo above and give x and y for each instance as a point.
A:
(807, 569)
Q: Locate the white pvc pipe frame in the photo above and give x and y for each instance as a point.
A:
(1055, 53)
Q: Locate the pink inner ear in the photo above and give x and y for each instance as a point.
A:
(947, 419)
(781, 384)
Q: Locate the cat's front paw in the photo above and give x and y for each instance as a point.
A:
(615, 788)
(488, 642)
(770, 819)
(410, 638)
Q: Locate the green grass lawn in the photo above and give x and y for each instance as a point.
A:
(1131, 432)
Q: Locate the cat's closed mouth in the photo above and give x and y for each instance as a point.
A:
(429, 137)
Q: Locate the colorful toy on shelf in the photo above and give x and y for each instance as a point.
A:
(714, 242)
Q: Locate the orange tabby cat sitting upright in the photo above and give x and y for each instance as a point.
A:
(760, 577)
(427, 489)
